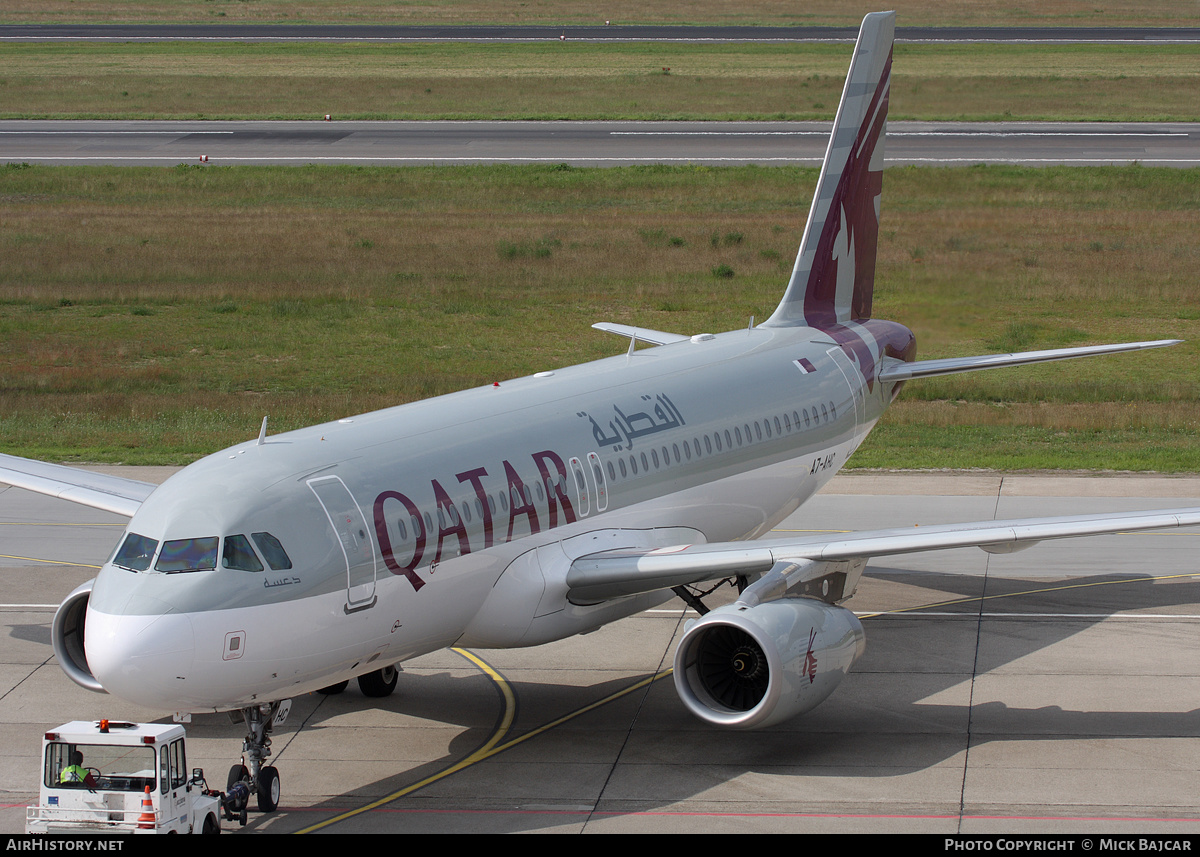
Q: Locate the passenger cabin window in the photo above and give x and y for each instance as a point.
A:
(182, 555)
(136, 553)
(238, 555)
(272, 551)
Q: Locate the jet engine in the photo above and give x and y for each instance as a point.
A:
(746, 667)
(66, 635)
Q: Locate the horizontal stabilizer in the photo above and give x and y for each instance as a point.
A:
(613, 574)
(110, 493)
(641, 334)
(895, 370)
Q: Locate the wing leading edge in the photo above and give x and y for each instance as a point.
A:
(100, 491)
(613, 574)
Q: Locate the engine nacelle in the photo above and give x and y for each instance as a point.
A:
(67, 633)
(748, 667)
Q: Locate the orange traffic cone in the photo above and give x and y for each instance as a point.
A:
(146, 820)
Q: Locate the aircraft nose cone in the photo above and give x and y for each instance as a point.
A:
(142, 658)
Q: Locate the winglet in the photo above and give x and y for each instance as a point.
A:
(834, 276)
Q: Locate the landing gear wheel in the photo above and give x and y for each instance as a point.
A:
(268, 789)
(379, 683)
(334, 688)
(237, 793)
(236, 774)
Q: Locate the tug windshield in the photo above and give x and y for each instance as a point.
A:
(111, 767)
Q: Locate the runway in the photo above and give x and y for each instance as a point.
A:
(1011, 693)
(584, 144)
(615, 33)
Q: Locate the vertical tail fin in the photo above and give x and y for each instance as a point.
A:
(834, 276)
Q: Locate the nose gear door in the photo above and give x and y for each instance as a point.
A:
(353, 535)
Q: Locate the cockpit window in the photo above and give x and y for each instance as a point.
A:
(239, 555)
(272, 551)
(188, 555)
(135, 553)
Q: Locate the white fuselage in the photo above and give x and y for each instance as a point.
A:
(455, 520)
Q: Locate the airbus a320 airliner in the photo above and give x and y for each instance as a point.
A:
(543, 507)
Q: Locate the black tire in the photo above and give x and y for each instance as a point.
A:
(334, 688)
(379, 683)
(236, 774)
(210, 824)
(268, 790)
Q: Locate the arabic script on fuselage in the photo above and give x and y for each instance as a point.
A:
(624, 428)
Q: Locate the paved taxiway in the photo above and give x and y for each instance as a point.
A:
(1054, 704)
(585, 143)
(535, 33)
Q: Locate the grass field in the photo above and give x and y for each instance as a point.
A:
(778, 12)
(152, 315)
(580, 80)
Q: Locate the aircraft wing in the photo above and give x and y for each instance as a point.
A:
(612, 574)
(641, 334)
(110, 493)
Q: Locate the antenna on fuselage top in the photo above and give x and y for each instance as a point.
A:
(262, 432)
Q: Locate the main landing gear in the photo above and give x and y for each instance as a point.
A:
(693, 599)
(378, 684)
(252, 777)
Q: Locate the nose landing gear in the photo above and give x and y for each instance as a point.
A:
(252, 777)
